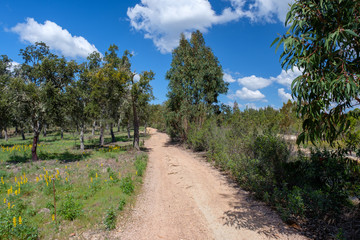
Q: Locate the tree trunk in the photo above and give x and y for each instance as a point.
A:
(36, 130)
(93, 128)
(6, 135)
(101, 135)
(44, 131)
(118, 124)
(136, 141)
(82, 145)
(1, 136)
(62, 133)
(16, 130)
(23, 134)
(112, 133)
(128, 130)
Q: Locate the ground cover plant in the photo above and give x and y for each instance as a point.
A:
(68, 191)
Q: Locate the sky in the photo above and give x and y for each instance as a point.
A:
(239, 32)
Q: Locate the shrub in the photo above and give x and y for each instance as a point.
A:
(70, 209)
(127, 185)
(140, 164)
(110, 219)
(122, 203)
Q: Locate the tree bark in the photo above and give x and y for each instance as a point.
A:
(136, 142)
(62, 133)
(101, 140)
(112, 133)
(1, 136)
(16, 130)
(93, 128)
(6, 135)
(44, 131)
(23, 134)
(128, 130)
(82, 145)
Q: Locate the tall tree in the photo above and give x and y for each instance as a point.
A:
(323, 40)
(6, 101)
(196, 81)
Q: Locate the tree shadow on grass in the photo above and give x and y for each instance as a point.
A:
(64, 156)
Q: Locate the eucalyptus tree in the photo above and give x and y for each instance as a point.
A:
(196, 81)
(323, 40)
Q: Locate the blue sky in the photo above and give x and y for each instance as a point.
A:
(238, 31)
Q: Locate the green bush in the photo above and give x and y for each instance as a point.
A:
(110, 219)
(127, 185)
(122, 203)
(140, 164)
(70, 209)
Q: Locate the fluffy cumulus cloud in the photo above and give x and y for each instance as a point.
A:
(284, 95)
(228, 78)
(137, 77)
(162, 21)
(286, 77)
(55, 37)
(253, 82)
(247, 94)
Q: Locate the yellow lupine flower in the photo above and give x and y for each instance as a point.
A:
(96, 175)
(19, 190)
(15, 192)
(37, 179)
(20, 220)
(111, 178)
(91, 180)
(14, 221)
(44, 168)
(53, 217)
(4, 200)
(119, 175)
(15, 179)
(9, 205)
(66, 179)
(2, 180)
(57, 170)
(65, 166)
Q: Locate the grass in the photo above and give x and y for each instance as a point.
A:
(87, 183)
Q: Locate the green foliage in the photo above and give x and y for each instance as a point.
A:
(70, 208)
(122, 203)
(110, 219)
(127, 185)
(196, 80)
(326, 48)
(140, 164)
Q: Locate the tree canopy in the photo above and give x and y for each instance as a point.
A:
(323, 41)
(196, 81)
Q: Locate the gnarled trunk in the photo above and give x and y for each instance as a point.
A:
(62, 133)
(112, 133)
(6, 135)
(23, 134)
(44, 131)
(36, 130)
(101, 139)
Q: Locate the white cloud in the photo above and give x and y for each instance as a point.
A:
(246, 94)
(55, 37)
(253, 82)
(228, 78)
(13, 65)
(284, 95)
(136, 78)
(163, 21)
(286, 77)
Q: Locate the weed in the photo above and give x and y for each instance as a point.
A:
(70, 209)
(127, 185)
(110, 219)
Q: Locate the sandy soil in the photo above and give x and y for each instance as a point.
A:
(184, 197)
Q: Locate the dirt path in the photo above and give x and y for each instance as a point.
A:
(185, 198)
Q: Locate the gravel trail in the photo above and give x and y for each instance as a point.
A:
(184, 197)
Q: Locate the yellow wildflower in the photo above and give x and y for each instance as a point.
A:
(53, 217)
(4, 200)
(91, 180)
(37, 179)
(96, 175)
(9, 205)
(20, 220)
(15, 192)
(14, 221)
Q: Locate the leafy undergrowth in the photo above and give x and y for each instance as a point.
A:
(91, 190)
